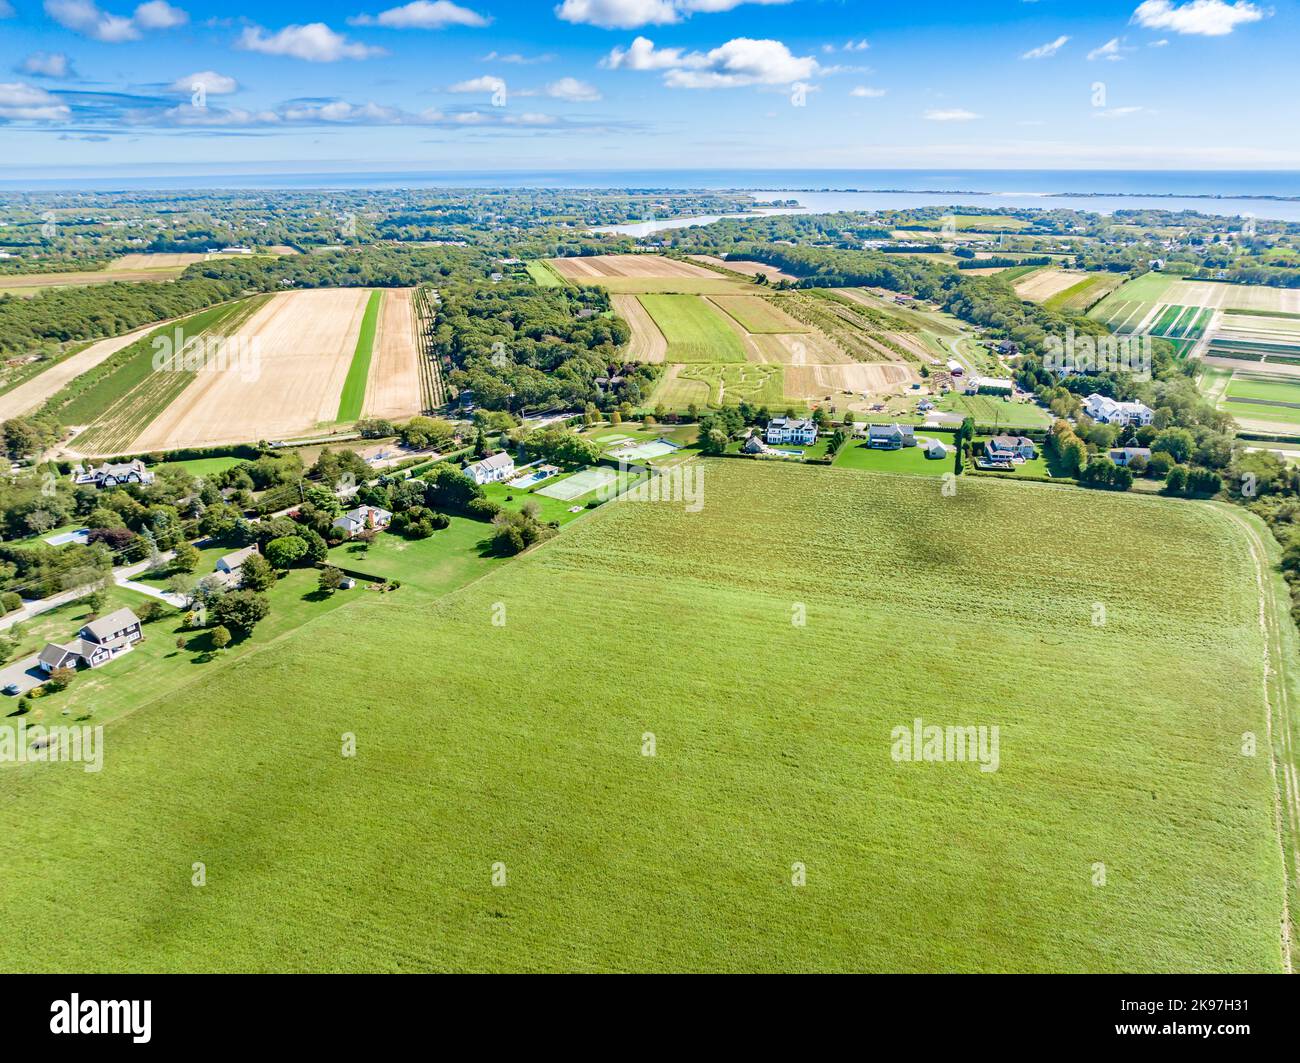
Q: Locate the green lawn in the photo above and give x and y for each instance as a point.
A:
(995, 412)
(1269, 389)
(503, 727)
(353, 399)
(695, 329)
(544, 276)
(204, 466)
(434, 566)
(910, 460)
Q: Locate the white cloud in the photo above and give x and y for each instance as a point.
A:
(643, 55)
(159, 15)
(863, 92)
(737, 63)
(423, 15)
(213, 84)
(571, 90)
(48, 65)
(486, 83)
(7, 9)
(88, 19)
(631, 14)
(85, 17)
(315, 43)
(955, 114)
(28, 103)
(1204, 18)
(1112, 51)
(1118, 112)
(1046, 51)
(516, 57)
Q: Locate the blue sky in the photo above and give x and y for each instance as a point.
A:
(195, 86)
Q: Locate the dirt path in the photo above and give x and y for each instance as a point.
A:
(1278, 717)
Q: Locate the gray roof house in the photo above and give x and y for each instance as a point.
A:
(100, 641)
(1124, 455)
(891, 436)
(131, 472)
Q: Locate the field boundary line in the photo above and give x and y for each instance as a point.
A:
(1286, 794)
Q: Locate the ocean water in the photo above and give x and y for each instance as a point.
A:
(1264, 194)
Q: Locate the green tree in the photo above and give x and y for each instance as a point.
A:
(240, 610)
(331, 579)
(186, 558)
(256, 574)
(285, 552)
(220, 637)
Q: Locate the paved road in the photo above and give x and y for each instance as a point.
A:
(45, 605)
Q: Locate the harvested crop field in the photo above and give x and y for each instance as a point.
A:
(758, 316)
(820, 381)
(648, 344)
(1042, 284)
(749, 269)
(1221, 296)
(646, 274)
(127, 263)
(393, 390)
(302, 345)
(30, 396)
(596, 267)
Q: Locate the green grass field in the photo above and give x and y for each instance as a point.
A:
(695, 329)
(1126, 307)
(491, 738)
(544, 276)
(988, 410)
(1084, 294)
(911, 461)
(353, 399)
(1269, 389)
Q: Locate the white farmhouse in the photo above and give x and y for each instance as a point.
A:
(1108, 411)
(492, 470)
(790, 430)
(363, 518)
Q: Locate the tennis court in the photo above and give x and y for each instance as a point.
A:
(580, 484)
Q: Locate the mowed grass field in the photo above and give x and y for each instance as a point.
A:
(694, 329)
(772, 747)
(353, 399)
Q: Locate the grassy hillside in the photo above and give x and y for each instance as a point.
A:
(504, 725)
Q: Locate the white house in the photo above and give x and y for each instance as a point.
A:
(1108, 411)
(791, 430)
(363, 518)
(956, 368)
(891, 436)
(131, 472)
(989, 385)
(98, 643)
(492, 470)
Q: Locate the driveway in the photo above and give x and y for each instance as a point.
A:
(25, 675)
(45, 605)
